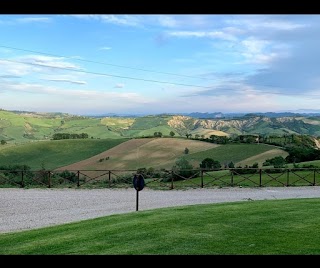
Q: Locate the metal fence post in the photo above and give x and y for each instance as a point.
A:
(109, 178)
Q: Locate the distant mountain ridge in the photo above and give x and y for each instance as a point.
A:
(207, 115)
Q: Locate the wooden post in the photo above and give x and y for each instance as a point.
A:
(49, 179)
(78, 175)
(22, 179)
(201, 178)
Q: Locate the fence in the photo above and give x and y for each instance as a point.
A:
(162, 179)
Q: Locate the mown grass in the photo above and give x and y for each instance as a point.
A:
(54, 154)
(265, 227)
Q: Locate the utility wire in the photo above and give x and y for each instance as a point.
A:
(104, 63)
(105, 74)
(149, 80)
(135, 78)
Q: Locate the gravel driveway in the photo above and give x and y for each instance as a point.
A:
(22, 209)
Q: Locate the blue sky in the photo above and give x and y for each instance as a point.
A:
(148, 64)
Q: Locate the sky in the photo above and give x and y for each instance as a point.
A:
(150, 64)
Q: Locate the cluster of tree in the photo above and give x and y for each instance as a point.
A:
(278, 140)
(65, 136)
(276, 162)
(3, 142)
(301, 154)
(15, 167)
(157, 134)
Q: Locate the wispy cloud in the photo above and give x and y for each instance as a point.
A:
(105, 48)
(62, 92)
(48, 61)
(25, 20)
(68, 81)
(119, 85)
(201, 34)
(261, 22)
(167, 21)
(10, 76)
(34, 19)
(124, 20)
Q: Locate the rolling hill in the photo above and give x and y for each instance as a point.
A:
(160, 153)
(21, 127)
(53, 154)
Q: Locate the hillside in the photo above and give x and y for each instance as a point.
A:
(53, 154)
(163, 153)
(22, 127)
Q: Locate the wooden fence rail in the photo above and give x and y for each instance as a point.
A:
(162, 179)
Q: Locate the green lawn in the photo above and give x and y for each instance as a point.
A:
(266, 227)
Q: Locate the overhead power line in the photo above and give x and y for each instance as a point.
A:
(104, 63)
(106, 74)
(140, 79)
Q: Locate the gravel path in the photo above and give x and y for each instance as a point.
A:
(22, 209)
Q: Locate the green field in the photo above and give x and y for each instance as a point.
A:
(157, 153)
(54, 154)
(229, 152)
(265, 227)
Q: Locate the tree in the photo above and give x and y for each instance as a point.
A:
(172, 133)
(188, 135)
(197, 136)
(157, 134)
(276, 162)
(3, 142)
(209, 163)
(231, 165)
(183, 169)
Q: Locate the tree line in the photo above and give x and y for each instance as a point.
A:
(65, 136)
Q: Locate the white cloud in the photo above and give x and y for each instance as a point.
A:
(200, 34)
(105, 48)
(33, 19)
(88, 94)
(14, 68)
(68, 81)
(263, 22)
(49, 61)
(167, 21)
(125, 20)
(119, 85)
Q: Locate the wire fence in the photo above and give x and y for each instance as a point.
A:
(162, 179)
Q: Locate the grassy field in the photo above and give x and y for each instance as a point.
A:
(133, 154)
(232, 152)
(143, 153)
(53, 154)
(266, 227)
(164, 152)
